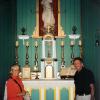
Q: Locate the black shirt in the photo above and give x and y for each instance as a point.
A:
(82, 81)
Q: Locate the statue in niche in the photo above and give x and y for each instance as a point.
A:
(47, 15)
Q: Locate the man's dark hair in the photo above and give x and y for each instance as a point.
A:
(78, 58)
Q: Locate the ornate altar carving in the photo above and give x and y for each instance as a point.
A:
(49, 62)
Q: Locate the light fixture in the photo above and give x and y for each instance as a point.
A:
(74, 35)
(23, 36)
(97, 43)
(97, 38)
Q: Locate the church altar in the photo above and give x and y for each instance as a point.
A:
(50, 89)
(41, 80)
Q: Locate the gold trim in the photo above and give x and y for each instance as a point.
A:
(48, 36)
(48, 72)
(36, 29)
(26, 73)
(61, 33)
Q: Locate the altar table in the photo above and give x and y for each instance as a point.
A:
(50, 89)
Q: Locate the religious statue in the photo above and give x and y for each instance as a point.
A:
(47, 15)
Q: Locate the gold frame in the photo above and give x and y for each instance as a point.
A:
(49, 74)
(26, 72)
(35, 34)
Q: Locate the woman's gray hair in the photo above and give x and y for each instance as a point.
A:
(12, 68)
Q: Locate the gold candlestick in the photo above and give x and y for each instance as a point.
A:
(81, 48)
(27, 56)
(16, 52)
(36, 44)
(27, 44)
(62, 54)
(72, 52)
(62, 43)
(72, 43)
(35, 69)
(36, 57)
(17, 44)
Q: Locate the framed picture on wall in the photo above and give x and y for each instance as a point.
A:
(48, 17)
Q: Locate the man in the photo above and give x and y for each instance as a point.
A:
(84, 81)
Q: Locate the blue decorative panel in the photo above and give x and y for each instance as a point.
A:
(35, 94)
(50, 94)
(64, 95)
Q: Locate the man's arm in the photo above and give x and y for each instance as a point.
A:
(92, 91)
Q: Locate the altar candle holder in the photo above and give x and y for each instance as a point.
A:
(81, 48)
(16, 52)
(36, 57)
(36, 60)
(72, 43)
(62, 54)
(27, 56)
(26, 70)
(36, 54)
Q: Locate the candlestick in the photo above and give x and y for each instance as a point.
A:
(80, 43)
(16, 53)
(62, 43)
(72, 43)
(27, 56)
(27, 43)
(72, 54)
(36, 44)
(17, 44)
(81, 48)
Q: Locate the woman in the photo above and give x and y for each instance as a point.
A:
(14, 86)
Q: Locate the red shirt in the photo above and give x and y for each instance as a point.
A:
(13, 89)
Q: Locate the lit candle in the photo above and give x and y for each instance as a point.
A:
(27, 43)
(36, 44)
(80, 42)
(17, 44)
(62, 43)
(35, 68)
(72, 43)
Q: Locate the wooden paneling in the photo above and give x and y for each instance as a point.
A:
(7, 39)
(90, 25)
